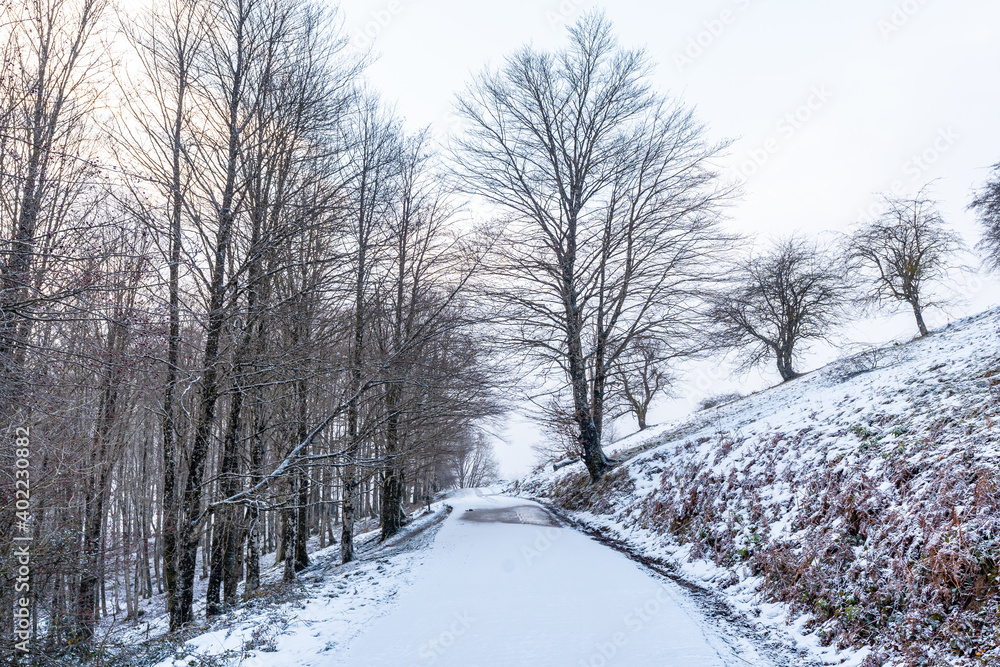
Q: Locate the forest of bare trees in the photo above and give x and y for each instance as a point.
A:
(235, 308)
(245, 313)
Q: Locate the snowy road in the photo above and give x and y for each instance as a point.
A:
(504, 586)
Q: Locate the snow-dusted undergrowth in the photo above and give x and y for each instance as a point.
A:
(860, 502)
(305, 623)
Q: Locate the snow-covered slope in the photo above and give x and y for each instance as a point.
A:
(863, 497)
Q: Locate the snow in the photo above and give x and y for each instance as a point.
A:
(328, 606)
(915, 434)
(493, 593)
(500, 582)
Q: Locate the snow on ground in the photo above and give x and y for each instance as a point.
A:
(501, 582)
(502, 585)
(848, 517)
(302, 624)
(865, 495)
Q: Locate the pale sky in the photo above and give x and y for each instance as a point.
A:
(828, 102)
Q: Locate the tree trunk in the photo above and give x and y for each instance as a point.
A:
(589, 438)
(226, 532)
(288, 538)
(188, 538)
(302, 480)
(599, 384)
(354, 441)
(919, 314)
(785, 365)
(169, 426)
(253, 521)
(391, 512)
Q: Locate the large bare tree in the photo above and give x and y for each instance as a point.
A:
(609, 205)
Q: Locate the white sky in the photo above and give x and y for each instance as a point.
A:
(902, 92)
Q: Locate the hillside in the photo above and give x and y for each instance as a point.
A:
(859, 504)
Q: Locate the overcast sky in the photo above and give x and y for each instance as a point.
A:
(828, 102)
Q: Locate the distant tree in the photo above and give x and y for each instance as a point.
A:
(902, 251)
(778, 300)
(473, 463)
(641, 375)
(986, 203)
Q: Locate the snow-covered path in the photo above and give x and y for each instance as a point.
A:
(503, 586)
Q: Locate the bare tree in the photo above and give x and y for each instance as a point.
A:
(374, 138)
(777, 301)
(641, 376)
(473, 462)
(986, 203)
(903, 251)
(609, 206)
(48, 93)
(167, 44)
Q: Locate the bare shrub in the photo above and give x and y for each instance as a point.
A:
(718, 399)
(865, 360)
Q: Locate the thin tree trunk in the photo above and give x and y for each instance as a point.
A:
(188, 537)
(224, 535)
(919, 314)
(169, 424)
(392, 515)
(253, 520)
(301, 478)
(98, 485)
(353, 435)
